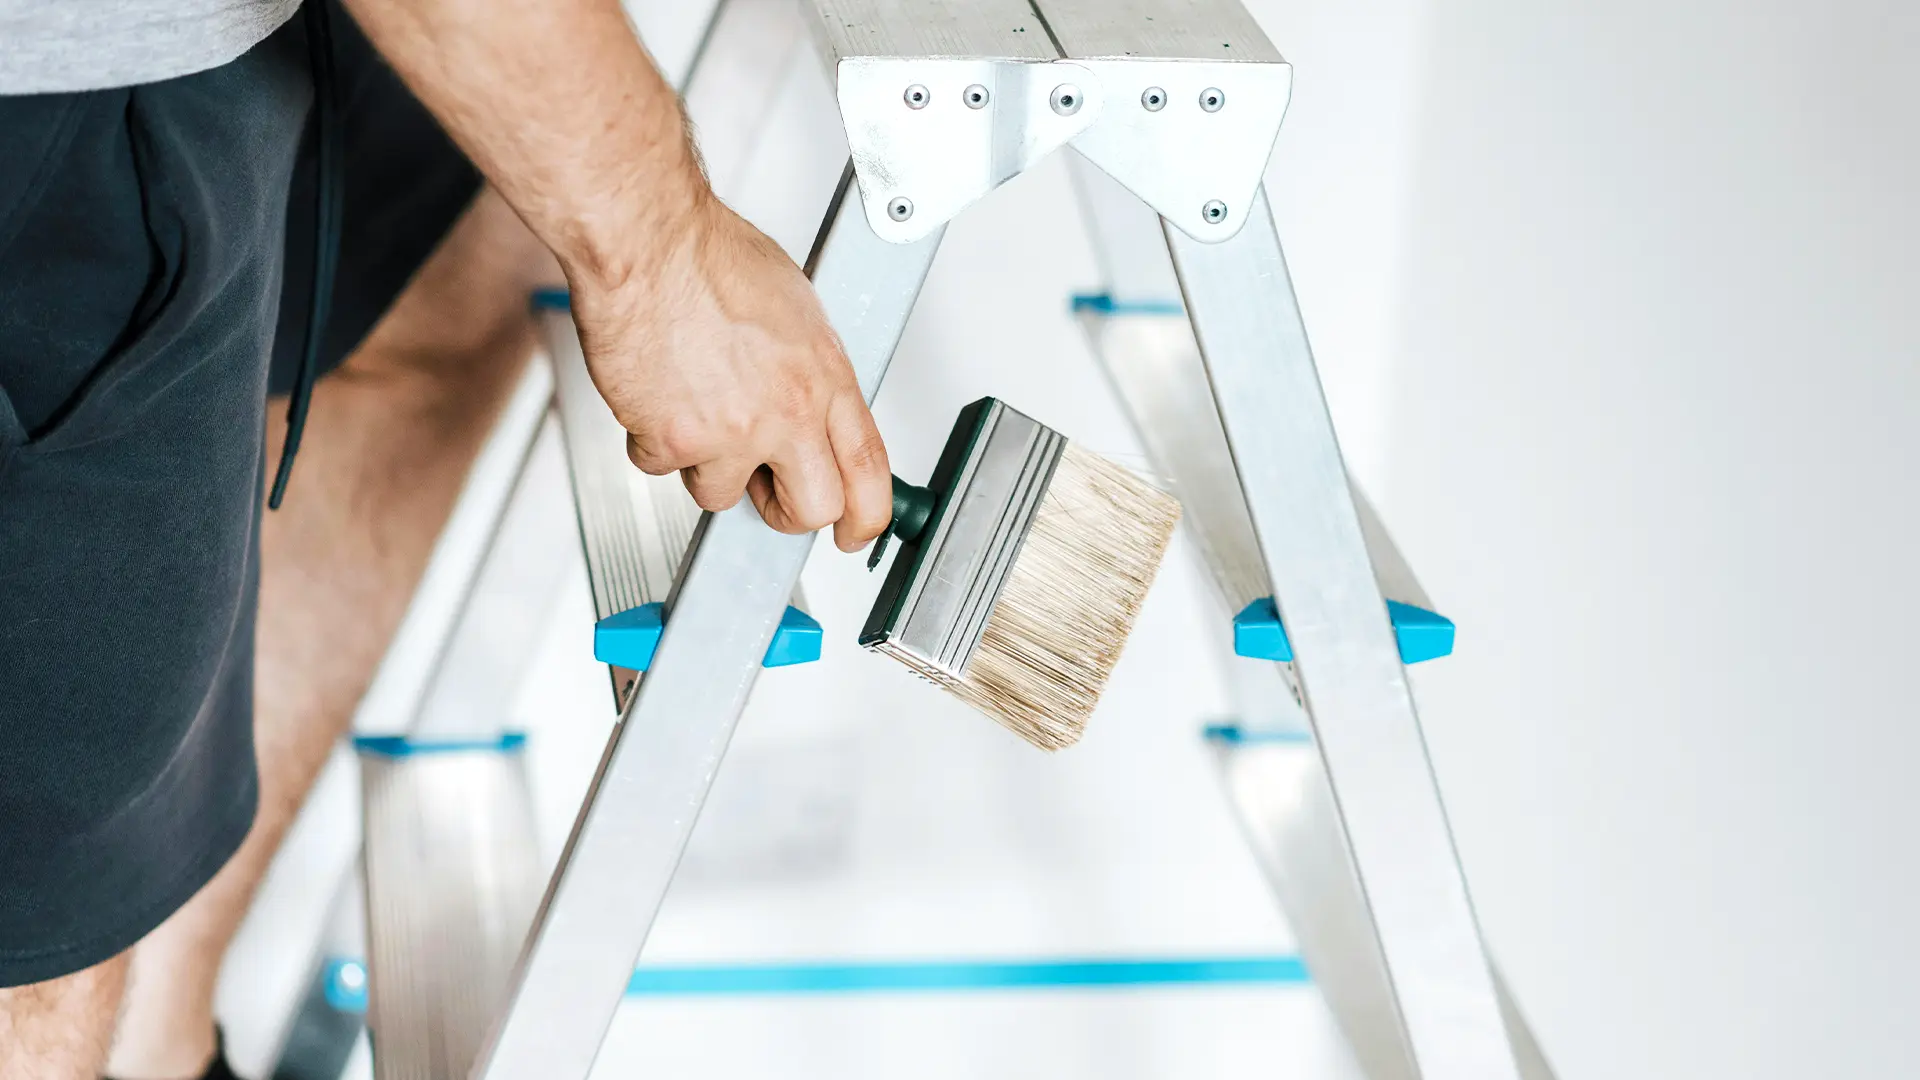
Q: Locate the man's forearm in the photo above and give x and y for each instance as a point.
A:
(706, 340)
(564, 112)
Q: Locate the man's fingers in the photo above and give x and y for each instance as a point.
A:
(862, 460)
(717, 485)
(799, 491)
(650, 461)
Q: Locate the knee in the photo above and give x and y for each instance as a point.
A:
(465, 315)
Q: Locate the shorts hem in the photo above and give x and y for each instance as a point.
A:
(27, 967)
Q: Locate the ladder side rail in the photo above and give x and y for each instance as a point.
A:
(1287, 811)
(1354, 686)
(746, 56)
(749, 49)
(486, 658)
(1144, 345)
(661, 760)
(511, 566)
(635, 528)
(318, 861)
(1279, 792)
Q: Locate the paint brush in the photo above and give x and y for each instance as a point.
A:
(1022, 567)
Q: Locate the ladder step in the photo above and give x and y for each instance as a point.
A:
(452, 879)
(1146, 344)
(1226, 735)
(1109, 304)
(627, 640)
(1423, 634)
(635, 528)
(326, 1026)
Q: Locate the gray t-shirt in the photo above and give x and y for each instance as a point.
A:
(49, 46)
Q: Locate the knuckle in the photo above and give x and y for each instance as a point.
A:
(714, 498)
(865, 454)
(808, 509)
(869, 525)
(682, 439)
(811, 520)
(792, 397)
(648, 458)
(737, 425)
(779, 518)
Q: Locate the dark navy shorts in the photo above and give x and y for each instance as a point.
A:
(155, 259)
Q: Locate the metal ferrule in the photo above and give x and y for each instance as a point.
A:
(991, 481)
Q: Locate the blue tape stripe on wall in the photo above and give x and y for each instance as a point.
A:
(920, 977)
(346, 984)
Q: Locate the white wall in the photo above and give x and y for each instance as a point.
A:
(1655, 380)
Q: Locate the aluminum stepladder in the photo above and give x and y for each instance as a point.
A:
(1171, 107)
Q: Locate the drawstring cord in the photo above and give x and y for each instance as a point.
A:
(328, 193)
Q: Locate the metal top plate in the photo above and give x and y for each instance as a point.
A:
(933, 29)
(1157, 30)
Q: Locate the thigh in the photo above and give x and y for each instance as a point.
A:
(405, 186)
(140, 237)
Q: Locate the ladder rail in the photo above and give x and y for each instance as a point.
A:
(504, 554)
(450, 857)
(1145, 345)
(660, 762)
(450, 659)
(1287, 812)
(1259, 362)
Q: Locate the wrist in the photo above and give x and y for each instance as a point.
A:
(646, 205)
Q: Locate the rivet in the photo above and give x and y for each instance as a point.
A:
(1153, 99)
(976, 96)
(1212, 99)
(1065, 99)
(1215, 211)
(900, 209)
(916, 96)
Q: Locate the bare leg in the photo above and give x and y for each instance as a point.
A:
(59, 1030)
(388, 443)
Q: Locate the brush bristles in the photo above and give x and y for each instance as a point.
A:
(1069, 601)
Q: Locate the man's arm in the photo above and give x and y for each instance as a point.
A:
(706, 340)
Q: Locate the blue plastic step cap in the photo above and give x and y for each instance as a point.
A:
(628, 639)
(1423, 635)
(413, 745)
(1233, 734)
(551, 300)
(1108, 304)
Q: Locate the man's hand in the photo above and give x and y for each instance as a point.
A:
(703, 336)
(722, 367)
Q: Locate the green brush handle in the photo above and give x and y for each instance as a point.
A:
(912, 506)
